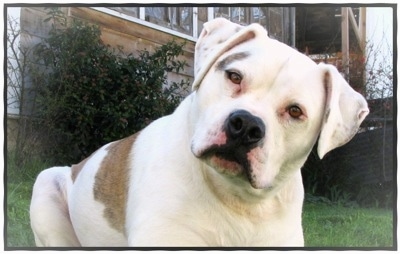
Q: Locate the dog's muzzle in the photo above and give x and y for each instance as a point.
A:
(244, 132)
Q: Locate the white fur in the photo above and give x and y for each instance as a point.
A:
(178, 198)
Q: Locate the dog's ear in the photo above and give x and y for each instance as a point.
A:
(217, 37)
(345, 109)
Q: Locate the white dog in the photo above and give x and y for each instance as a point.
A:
(223, 169)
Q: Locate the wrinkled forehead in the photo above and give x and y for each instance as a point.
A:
(266, 57)
(264, 52)
(230, 58)
(299, 81)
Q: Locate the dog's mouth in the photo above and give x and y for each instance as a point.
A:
(231, 162)
(236, 148)
(225, 156)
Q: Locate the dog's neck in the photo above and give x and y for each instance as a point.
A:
(242, 199)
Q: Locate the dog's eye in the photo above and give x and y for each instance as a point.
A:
(235, 77)
(295, 111)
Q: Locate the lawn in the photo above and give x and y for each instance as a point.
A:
(19, 190)
(329, 225)
(325, 225)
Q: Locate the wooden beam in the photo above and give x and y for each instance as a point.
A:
(345, 41)
(354, 25)
(362, 25)
(360, 29)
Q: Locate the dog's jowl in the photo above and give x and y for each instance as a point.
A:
(223, 169)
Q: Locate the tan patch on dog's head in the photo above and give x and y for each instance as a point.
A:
(111, 181)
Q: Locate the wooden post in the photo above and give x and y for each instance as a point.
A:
(360, 29)
(345, 42)
(362, 23)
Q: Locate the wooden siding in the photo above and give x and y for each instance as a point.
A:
(132, 36)
(116, 32)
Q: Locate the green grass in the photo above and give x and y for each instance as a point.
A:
(325, 225)
(20, 181)
(18, 228)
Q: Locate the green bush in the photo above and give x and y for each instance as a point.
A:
(330, 181)
(90, 95)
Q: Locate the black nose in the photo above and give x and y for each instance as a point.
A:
(245, 128)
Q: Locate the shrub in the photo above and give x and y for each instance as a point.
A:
(335, 180)
(90, 95)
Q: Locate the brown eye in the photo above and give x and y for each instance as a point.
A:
(235, 77)
(295, 111)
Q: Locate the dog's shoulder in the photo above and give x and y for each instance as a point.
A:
(113, 162)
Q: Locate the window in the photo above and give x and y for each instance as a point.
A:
(187, 22)
(176, 18)
(240, 15)
(272, 18)
(202, 17)
(130, 11)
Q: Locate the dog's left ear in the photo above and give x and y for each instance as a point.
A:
(345, 109)
(217, 37)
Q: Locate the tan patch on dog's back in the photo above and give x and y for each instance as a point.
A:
(111, 181)
(76, 169)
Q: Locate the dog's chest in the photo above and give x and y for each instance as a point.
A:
(240, 231)
(218, 225)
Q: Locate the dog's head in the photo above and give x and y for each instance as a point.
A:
(260, 106)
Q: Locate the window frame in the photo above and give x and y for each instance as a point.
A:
(286, 37)
(141, 20)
